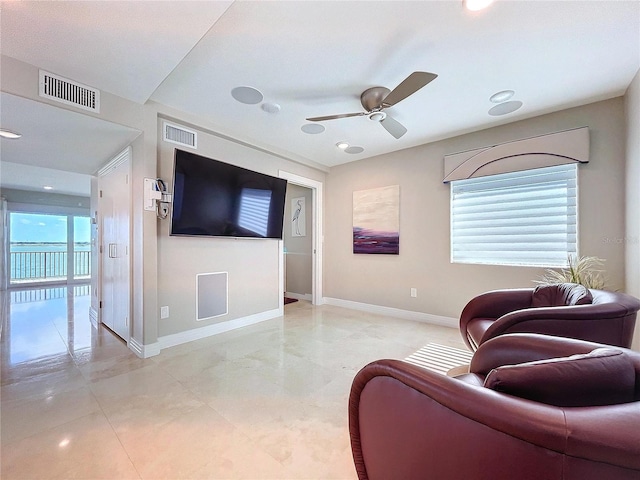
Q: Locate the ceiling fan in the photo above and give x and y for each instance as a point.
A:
(376, 99)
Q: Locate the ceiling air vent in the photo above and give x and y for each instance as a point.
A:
(69, 92)
(179, 135)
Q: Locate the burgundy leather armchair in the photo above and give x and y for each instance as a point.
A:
(565, 310)
(407, 422)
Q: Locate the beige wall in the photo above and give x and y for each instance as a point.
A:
(298, 256)
(252, 264)
(423, 263)
(632, 238)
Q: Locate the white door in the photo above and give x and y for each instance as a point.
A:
(115, 214)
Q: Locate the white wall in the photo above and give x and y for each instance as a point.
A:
(423, 263)
(632, 237)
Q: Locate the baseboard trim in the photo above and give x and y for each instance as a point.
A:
(174, 339)
(299, 296)
(144, 351)
(394, 312)
(93, 317)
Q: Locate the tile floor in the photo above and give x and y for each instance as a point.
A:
(264, 402)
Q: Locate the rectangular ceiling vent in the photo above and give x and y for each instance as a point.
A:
(179, 135)
(69, 92)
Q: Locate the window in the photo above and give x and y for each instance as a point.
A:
(518, 218)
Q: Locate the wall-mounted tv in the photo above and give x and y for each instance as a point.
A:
(213, 198)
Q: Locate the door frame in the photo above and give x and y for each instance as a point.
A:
(317, 241)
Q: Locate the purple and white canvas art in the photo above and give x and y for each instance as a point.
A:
(376, 221)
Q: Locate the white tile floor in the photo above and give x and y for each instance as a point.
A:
(266, 401)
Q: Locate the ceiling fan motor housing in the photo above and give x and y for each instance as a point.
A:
(372, 98)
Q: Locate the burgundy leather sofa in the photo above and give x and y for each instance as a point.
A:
(565, 310)
(407, 422)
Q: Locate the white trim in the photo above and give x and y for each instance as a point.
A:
(394, 312)
(115, 162)
(144, 351)
(93, 317)
(317, 235)
(299, 296)
(174, 339)
(281, 267)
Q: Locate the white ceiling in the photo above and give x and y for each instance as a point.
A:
(314, 58)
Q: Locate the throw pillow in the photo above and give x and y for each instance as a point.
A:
(559, 295)
(605, 376)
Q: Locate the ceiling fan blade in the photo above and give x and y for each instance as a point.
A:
(394, 127)
(409, 86)
(333, 117)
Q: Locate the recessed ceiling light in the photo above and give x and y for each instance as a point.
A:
(502, 96)
(9, 134)
(270, 107)
(504, 108)
(475, 5)
(312, 128)
(47, 187)
(247, 95)
(342, 145)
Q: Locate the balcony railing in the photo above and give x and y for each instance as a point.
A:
(26, 267)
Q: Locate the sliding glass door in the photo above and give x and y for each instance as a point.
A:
(48, 248)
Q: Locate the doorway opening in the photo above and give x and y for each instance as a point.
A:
(307, 194)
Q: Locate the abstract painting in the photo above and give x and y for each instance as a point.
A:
(298, 217)
(376, 220)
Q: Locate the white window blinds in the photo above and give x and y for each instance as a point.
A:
(518, 218)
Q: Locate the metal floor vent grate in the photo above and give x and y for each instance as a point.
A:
(179, 135)
(69, 92)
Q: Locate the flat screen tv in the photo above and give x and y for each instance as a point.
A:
(216, 199)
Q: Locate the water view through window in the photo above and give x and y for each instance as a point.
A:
(49, 248)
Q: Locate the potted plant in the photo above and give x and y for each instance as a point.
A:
(585, 271)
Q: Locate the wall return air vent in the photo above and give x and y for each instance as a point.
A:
(69, 92)
(179, 135)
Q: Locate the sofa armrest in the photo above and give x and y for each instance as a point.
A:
(494, 304)
(406, 421)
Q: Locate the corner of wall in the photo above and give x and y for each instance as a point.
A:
(632, 174)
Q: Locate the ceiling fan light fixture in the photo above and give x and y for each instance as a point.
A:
(476, 5)
(377, 116)
(9, 134)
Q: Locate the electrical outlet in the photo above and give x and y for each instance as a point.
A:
(164, 312)
(414, 292)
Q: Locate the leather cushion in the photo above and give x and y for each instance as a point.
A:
(562, 294)
(605, 376)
